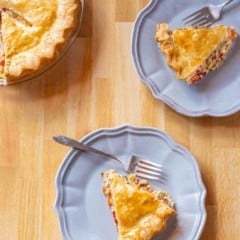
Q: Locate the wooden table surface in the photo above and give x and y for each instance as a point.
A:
(95, 85)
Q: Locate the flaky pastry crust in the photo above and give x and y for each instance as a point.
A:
(34, 33)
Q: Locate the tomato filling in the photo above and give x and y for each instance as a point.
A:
(212, 63)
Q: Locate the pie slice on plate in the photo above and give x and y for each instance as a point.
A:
(139, 211)
(33, 34)
(193, 52)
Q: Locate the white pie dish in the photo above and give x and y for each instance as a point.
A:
(38, 62)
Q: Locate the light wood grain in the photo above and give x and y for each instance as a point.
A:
(95, 85)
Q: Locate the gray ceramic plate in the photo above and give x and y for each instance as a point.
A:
(81, 206)
(216, 95)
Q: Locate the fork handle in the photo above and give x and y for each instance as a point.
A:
(227, 2)
(75, 144)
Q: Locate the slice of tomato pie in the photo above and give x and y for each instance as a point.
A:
(139, 211)
(193, 52)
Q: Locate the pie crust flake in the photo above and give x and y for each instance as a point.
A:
(193, 52)
(139, 211)
(33, 34)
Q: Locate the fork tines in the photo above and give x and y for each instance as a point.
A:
(198, 18)
(150, 170)
(148, 174)
(151, 167)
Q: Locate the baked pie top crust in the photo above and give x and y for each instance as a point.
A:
(33, 33)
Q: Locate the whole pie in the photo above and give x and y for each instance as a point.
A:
(139, 211)
(193, 52)
(33, 34)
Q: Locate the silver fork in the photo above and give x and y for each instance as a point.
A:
(132, 164)
(205, 16)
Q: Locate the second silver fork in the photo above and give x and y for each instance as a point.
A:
(133, 164)
(205, 16)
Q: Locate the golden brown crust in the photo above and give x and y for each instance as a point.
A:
(188, 49)
(37, 40)
(138, 210)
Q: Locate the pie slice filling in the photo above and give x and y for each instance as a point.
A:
(138, 211)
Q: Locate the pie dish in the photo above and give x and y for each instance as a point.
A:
(34, 34)
(139, 211)
(80, 203)
(193, 52)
